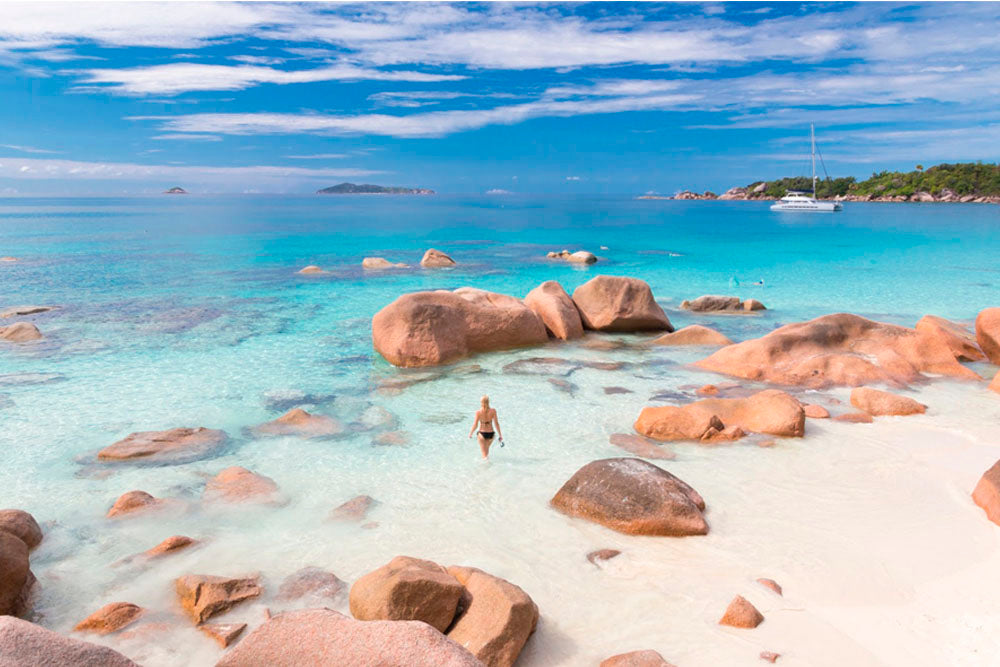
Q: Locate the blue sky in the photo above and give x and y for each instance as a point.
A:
(467, 98)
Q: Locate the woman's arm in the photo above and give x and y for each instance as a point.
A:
(496, 423)
(475, 423)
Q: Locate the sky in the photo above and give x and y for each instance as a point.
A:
(560, 98)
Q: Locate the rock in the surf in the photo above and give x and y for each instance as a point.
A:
(132, 503)
(380, 263)
(16, 579)
(176, 445)
(237, 485)
(814, 411)
(882, 403)
(770, 411)
(741, 614)
(299, 422)
(312, 582)
(578, 257)
(15, 311)
(172, 544)
(640, 446)
(495, 617)
(435, 259)
(354, 509)
(22, 525)
(311, 269)
(616, 303)
(204, 596)
(854, 418)
(433, 328)
(223, 634)
(959, 339)
(407, 589)
(841, 349)
(20, 332)
(325, 637)
(112, 617)
(646, 658)
(987, 493)
(711, 303)
(24, 644)
(551, 303)
(601, 555)
(633, 497)
(988, 333)
(694, 334)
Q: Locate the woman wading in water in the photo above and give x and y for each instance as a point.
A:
(485, 421)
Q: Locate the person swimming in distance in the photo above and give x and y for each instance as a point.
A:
(485, 420)
(759, 283)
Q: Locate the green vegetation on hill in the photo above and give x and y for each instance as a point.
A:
(968, 178)
(368, 189)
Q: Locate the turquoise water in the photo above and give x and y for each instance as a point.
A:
(187, 311)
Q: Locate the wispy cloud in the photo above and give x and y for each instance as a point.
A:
(318, 156)
(187, 137)
(26, 149)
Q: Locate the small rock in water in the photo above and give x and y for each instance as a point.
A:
(617, 390)
(695, 335)
(741, 614)
(564, 386)
(354, 509)
(110, 618)
(172, 544)
(602, 555)
(284, 400)
(224, 634)
(603, 344)
(20, 332)
(640, 446)
(300, 423)
(882, 403)
(542, 366)
(814, 411)
(312, 269)
(177, 445)
(15, 311)
(311, 581)
(391, 439)
(238, 485)
(854, 418)
(771, 584)
(134, 502)
(435, 259)
(204, 596)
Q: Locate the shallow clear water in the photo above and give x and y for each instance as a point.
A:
(187, 311)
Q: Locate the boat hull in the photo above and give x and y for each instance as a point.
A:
(808, 207)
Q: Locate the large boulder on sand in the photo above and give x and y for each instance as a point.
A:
(435, 259)
(647, 658)
(880, 403)
(176, 445)
(960, 340)
(988, 333)
(551, 303)
(432, 328)
(16, 578)
(495, 617)
(616, 303)
(299, 422)
(203, 596)
(24, 644)
(841, 349)
(407, 589)
(987, 493)
(325, 637)
(694, 334)
(770, 411)
(21, 524)
(20, 332)
(634, 497)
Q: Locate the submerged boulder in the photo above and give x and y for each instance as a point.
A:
(299, 422)
(110, 618)
(551, 303)
(310, 581)
(633, 497)
(204, 596)
(325, 637)
(495, 618)
(354, 509)
(407, 589)
(988, 333)
(238, 485)
(957, 338)
(172, 544)
(435, 259)
(20, 332)
(24, 644)
(311, 269)
(841, 349)
(694, 334)
(433, 328)
(380, 263)
(881, 403)
(176, 445)
(770, 411)
(134, 502)
(616, 303)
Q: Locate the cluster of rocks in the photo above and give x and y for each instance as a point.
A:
(687, 194)
(711, 303)
(440, 327)
(578, 257)
(432, 259)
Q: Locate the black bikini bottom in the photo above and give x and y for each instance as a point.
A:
(488, 436)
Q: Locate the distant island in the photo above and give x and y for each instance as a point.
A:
(367, 189)
(964, 183)
(175, 191)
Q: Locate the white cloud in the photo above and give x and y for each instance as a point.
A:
(21, 168)
(26, 149)
(177, 78)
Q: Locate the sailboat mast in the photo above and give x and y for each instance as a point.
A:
(812, 137)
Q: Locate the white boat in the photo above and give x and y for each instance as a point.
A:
(801, 201)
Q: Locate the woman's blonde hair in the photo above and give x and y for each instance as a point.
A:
(485, 402)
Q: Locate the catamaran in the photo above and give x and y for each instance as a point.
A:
(801, 201)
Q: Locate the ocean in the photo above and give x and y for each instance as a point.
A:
(189, 311)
